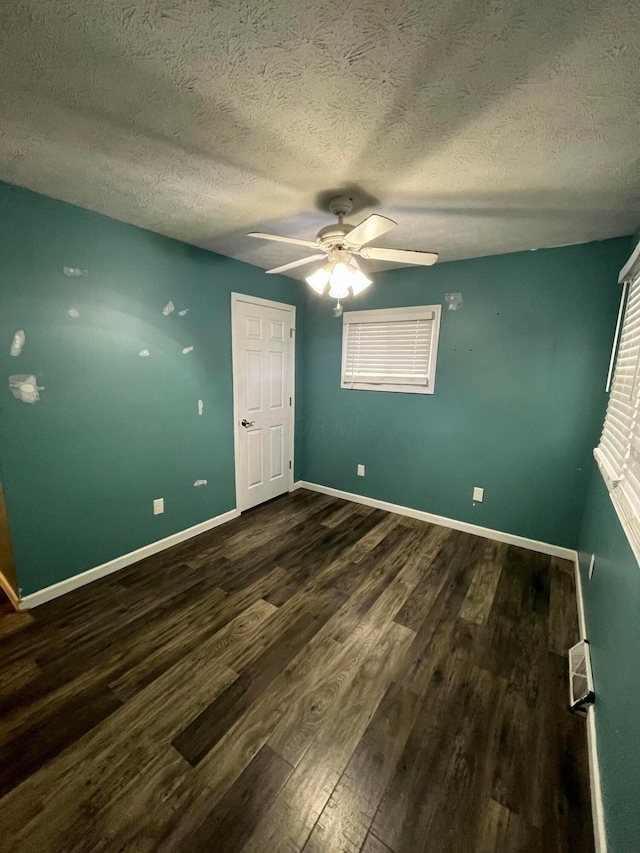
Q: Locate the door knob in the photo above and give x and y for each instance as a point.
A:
(246, 423)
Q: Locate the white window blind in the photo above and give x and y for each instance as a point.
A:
(618, 453)
(391, 349)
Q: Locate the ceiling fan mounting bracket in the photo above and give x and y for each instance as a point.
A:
(341, 206)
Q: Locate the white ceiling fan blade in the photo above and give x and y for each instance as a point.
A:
(277, 237)
(370, 228)
(296, 263)
(401, 256)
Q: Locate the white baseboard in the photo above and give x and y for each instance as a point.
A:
(582, 622)
(90, 575)
(443, 521)
(597, 805)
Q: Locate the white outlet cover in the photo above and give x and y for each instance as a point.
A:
(360, 470)
(158, 506)
(478, 494)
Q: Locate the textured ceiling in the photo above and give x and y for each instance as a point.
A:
(482, 127)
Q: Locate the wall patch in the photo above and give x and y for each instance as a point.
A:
(17, 343)
(168, 308)
(24, 387)
(453, 300)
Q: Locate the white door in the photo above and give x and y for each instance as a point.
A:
(263, 367)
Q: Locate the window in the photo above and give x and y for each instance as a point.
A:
(393, 349)
(618, 454)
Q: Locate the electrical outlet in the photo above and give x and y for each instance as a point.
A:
(592, 565)
(158, 506)
(478, 494)
(360, 470)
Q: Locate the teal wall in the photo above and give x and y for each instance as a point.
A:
(518, 401)
(612, 611)
(112, 430)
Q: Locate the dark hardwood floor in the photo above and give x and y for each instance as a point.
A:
(314, 676)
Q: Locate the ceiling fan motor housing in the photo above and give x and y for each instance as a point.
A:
(332, 235)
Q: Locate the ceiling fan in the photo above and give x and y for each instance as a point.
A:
(339, 244)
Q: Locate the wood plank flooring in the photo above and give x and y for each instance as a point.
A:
(312, 677)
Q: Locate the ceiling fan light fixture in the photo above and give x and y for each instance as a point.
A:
(341, 242)
(344, 279)
(319, 279)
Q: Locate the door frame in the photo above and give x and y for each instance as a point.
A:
(282, 306)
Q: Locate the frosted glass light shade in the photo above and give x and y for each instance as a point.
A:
(343, 279)
(359, 282)
(318, 280)
(340, 280)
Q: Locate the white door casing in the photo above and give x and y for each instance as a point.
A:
(263, 340)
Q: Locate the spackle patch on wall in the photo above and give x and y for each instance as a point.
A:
(187, 350)
(200, 407)
(73, 312)
(183, 313)
(73, 272)
(17, 343)
(453, 300)
(144, 353)
(200, 483)
(168, 308)
(24, 387)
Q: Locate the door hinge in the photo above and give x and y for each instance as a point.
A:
(290, 400)
(289, 464)
(291, 331)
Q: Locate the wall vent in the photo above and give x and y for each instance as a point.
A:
(581, 693)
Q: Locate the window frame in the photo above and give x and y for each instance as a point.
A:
(619, 482)
(378, 315)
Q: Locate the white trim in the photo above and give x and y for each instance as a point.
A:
(377, 315)
(597, 806)
(57, 589)
(465, 526)
(608, 475)
(616, 336)
(281, 306)
(617, 450)
(613, 489)
(258, 300)
(632, 267)
(582, 622)
(380, 315)
(10, 591)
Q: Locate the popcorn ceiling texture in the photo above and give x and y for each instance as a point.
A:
(482, 127)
